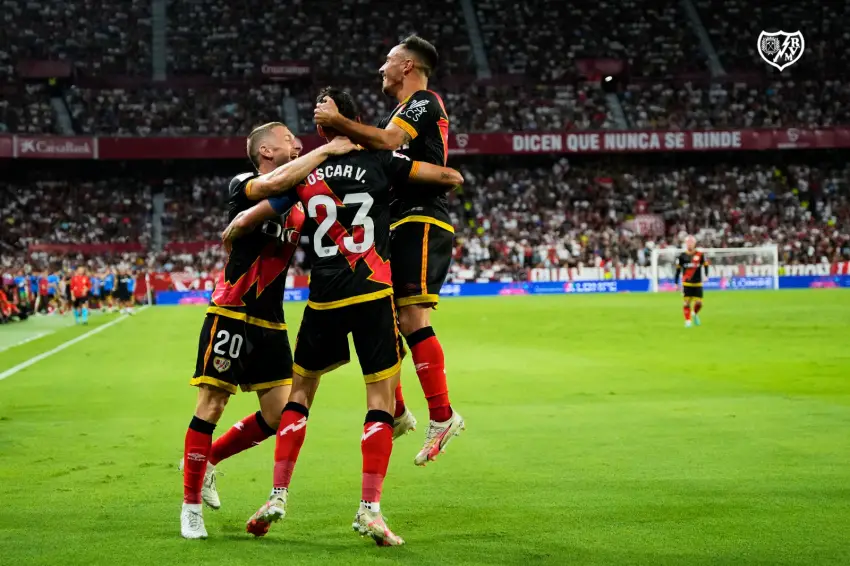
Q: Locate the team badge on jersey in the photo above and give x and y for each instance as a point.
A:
(781, 49)
(221, 364)
(415, 109)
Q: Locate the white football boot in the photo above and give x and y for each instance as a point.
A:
(404, 424)
(372, 524)
(272, 511)
(192, 521)
(438, 437)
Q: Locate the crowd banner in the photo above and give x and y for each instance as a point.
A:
(645, 272)
(499, 143)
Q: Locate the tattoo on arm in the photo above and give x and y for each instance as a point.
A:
(445, 176)
(406, 138)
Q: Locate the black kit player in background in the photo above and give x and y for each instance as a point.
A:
(347, 202)
(422, 237)
(243, 341)
(691, 264)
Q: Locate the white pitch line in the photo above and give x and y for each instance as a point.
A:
(34, 360)
(24, 341)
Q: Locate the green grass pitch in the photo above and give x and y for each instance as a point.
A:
(600, 431)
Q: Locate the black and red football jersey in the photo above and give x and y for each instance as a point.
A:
(423, 116)
(251, 287)
(347, 204)
(692, 266)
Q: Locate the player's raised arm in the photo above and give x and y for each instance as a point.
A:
(327, 115)
(291, 174)
(401, 169)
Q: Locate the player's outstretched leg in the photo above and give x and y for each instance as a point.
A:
(290, 438)
(403, 419)
(686, 310)
(247, 433)
(376, 445)
(697, 308)
(445, 423)
(196, 449)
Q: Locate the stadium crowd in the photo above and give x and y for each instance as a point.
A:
(512, 216)
(555, 215)
(477, 107)
(543, 39)
(97, 37)
(787, 103)
(348, 38)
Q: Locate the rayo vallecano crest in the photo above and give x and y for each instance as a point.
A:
(780, 48)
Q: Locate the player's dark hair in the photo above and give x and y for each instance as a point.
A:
(255, 139)
(344, 101)
(424, 51)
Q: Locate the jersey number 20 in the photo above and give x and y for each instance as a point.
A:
(361, 218)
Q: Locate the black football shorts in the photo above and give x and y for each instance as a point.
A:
(692, 292)
(420, 255)
(322, 343)
(233, 353)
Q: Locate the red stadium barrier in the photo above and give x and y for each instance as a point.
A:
(459, 144)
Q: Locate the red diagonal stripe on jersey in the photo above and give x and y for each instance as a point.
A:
(443, 124)
(265, 269)
(440, 101)
(379, 267)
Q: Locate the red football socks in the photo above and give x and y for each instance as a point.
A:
(431, 369)
(687, 310)
(196, 449)
(697, 307)
(376, 444)
(290, 438)
(248, 432)
(399, 402)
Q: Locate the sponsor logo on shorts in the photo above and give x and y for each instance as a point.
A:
(221, 364)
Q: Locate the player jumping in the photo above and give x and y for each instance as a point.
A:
(244, 342)
(351, 292)
(422, 237)
(691, 264)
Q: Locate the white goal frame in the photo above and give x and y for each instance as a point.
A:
(770, 251)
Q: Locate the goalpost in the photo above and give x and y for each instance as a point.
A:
(735, 268)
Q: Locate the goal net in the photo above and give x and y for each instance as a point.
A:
(730, 268)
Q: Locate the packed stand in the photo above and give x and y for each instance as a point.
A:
(26, 110)
(340, 38)
(98, 37)
(556, 215)
(543, 39)
(195, 210)
(168, 112)
(778, 104)
(512, 216)
(734, 27)
(525, 108)
(483, 108)
(54, 210)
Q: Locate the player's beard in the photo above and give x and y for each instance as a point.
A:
(390, 87)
